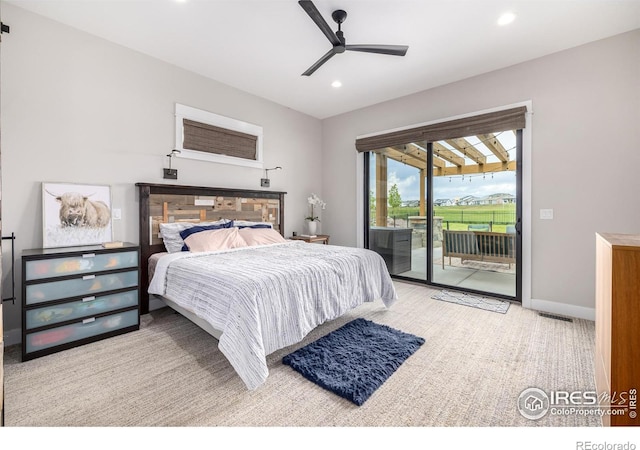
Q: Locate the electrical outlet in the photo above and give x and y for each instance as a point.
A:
(546, 214)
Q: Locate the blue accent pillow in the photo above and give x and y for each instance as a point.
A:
(258, 225)
(197, 229)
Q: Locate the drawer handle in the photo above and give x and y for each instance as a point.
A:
(88, 277)
(88, 255)
(89, 320)
(88, 299)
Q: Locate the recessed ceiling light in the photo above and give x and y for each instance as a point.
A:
(506, 18)
(336, 84)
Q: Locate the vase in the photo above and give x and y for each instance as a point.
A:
(313, 227)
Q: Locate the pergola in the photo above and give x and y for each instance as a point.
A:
(457, 157)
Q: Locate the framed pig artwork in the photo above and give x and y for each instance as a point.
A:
(75, 214)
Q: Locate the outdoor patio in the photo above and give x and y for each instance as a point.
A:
(488, 277)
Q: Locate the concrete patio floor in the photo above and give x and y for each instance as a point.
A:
(488, 280)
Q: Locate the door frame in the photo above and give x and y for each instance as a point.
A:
(524, 172)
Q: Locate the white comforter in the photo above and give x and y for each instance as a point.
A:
(265, 298)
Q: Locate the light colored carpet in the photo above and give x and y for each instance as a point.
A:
(469, 372)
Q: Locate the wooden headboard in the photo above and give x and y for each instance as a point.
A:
(173, 203)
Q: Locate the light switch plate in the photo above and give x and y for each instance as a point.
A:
(117, 214)
(546, 214)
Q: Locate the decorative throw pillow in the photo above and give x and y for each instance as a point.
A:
(213, 240)
(170, 232)
(260, 236)
(246, 223)
(200, 228)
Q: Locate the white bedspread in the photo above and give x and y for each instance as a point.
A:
(265, 298)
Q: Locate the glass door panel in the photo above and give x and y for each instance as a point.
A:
(397, 218)
(475, 213)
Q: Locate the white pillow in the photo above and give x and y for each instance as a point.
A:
(212, 240)
(261, 236)
(170, 233)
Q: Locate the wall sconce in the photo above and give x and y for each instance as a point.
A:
(265, 182)
(170, 173)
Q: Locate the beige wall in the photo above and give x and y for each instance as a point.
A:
(78, 109)
(584, 155)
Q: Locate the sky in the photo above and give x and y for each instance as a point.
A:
(407, 179)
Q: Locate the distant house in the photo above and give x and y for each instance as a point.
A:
(493, 199)
(501, 199)
(444, 202)
(467, 200)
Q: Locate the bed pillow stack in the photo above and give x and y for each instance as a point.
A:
(213, 238)
(170, 232)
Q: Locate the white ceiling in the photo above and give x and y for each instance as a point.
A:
(262, 46)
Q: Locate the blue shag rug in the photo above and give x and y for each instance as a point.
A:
(354, 360)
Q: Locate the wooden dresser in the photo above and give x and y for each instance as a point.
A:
(617, 357)
(76, 295)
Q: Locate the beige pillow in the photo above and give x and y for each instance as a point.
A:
(212, 240)
(261, 236)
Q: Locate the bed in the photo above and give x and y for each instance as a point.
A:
(255, 299)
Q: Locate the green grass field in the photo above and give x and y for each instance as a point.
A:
(459, 217)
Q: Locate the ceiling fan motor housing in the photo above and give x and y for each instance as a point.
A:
(339, 16)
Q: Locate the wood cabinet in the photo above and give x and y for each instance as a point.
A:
(617, 357)
(76, 295)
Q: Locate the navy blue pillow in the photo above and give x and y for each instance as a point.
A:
(258, 225)
(197, 229)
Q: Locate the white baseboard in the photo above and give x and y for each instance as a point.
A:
(563, 309)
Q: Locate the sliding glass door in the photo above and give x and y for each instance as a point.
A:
(447, 212)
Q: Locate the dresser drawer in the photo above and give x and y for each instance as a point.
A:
(88, 306)
(75, 287)
(86, 329)
(75, 265)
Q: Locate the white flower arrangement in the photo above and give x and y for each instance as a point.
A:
(314, 200)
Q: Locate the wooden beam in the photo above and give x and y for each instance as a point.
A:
(479, 168)
(467, 149)
(493, 144)
(448, 155)
(381, 190)
(406, 157)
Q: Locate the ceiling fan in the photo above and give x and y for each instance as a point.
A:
(337, 39)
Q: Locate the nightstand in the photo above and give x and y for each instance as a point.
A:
(319, 239)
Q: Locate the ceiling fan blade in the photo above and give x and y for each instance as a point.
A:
(326, 57)
(397, 50)
(313, 12)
